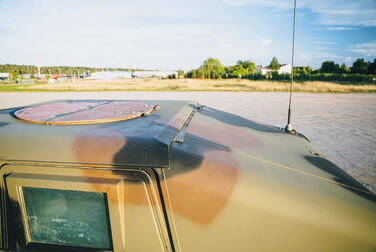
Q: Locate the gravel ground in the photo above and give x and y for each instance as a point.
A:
(342, 126)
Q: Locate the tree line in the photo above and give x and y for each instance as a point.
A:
(360, 71)
(68, 70)
(360, 66)
(17, 70)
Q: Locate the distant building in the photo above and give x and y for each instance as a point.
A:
(41, 76)
(153, 74)
(58, 76)
(110, 75)
(263, 70)
(4, 76)
(127, 75)
(283, 69)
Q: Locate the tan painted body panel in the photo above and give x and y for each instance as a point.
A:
(228, 184)
(253, 191)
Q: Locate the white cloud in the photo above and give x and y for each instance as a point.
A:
(149, 34)
(321, 56)
(323, 42)
(340, 28)
(366, 49)
(164, 33)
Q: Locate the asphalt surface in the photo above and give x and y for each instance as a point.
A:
(342, 126)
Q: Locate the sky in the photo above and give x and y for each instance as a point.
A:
(177, 34)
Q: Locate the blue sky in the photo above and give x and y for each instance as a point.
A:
(168, 34)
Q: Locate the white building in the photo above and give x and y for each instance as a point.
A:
(4, 76)
(128, 75)
(110, 75)
(263, 70)
(154, 74)
(41, 76)
(26, 76)
(283, 69)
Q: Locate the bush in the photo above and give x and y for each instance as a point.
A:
(351, 78)
(280, 77)
(299, 76)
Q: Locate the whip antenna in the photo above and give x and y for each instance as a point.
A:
(288, 127)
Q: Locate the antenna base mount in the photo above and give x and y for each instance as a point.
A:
(289, 129)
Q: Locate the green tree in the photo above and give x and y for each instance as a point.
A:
(180, 73)
(13, 75)
(194, 74)
(329, 67)
(274, 65)
(309, 69)
(359, 66)
(344, 68)
(372, 67)
(247, 65)
(239, 70)
(212, 67)
(201, 73)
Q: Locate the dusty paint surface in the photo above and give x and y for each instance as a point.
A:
(230, 178)
(340, 125)
(83, 112)
(201, 194)
(48, 111)
(138, 142)
(261, 185)
(98, 145)
(224, 135)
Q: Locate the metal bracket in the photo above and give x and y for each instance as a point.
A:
(181, 134)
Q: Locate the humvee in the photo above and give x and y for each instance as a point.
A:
(102, 175)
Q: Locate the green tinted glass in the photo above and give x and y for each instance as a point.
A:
(71, 218)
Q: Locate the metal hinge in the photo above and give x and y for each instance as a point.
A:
(181, 134)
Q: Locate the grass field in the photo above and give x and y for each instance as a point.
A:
(190, 85)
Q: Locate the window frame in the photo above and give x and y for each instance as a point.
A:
(155, 227)
(15, 183)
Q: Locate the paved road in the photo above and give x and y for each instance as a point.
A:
(342, 126)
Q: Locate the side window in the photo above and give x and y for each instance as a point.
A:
(83, 210)
(67, 217)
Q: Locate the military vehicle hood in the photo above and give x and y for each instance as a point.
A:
(219, 175)
(146, 141)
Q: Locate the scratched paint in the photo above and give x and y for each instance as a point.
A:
(84, 112)
(46, 111)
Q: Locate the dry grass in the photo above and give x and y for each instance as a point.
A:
(192, 85)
